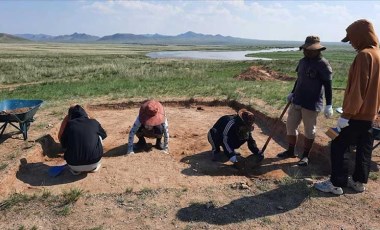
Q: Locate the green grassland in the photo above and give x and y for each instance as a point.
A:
(59, 72)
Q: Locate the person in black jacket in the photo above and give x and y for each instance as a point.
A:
(230, 132)
(81, 137)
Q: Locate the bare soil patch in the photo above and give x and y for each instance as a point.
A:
(182, 190)
(259, 73)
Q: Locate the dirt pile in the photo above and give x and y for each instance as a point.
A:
(259, 73)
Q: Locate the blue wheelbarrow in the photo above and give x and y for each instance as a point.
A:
(18, 111)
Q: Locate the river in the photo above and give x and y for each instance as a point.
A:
(217, 55)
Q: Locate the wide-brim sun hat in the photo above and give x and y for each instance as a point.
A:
(312, 43)
(151, 113)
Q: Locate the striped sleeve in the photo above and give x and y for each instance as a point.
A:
(132, 133)
(225, 136)
(166, 134)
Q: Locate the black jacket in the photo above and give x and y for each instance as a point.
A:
(227, 131)
(81, 139)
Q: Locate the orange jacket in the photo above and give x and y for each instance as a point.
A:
(362, 96)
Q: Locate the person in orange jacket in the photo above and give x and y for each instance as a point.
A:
(361, 104)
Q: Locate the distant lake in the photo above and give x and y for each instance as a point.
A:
(217, 55)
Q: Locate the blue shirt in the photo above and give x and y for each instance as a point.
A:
(314, 76)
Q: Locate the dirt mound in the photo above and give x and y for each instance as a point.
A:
(259, 73)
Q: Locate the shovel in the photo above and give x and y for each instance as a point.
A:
(254, 159)
(56, 170)
(274, 127)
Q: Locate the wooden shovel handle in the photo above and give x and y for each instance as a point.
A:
(274, 127)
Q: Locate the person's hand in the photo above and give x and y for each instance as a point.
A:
(328, 111)
(289, 98)
(342, 123)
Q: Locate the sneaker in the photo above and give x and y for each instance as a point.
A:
(327, 186)
(286, 154)
(97, 168)
(357, 186)
(75, 173)
(304, 161)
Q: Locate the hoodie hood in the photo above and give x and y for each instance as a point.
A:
(361, 34)
(77, 112)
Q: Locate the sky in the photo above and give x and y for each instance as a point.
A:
(265, 20)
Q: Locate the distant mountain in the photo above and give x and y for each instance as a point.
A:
(8, 38)
(122, 38)
(35, 37)
(188, 38)
(75, 37)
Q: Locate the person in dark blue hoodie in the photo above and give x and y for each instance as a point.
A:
(81, 137)
(230, 132)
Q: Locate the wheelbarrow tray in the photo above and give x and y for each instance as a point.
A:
(21, 111)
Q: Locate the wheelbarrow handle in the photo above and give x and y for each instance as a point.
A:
(274, 127)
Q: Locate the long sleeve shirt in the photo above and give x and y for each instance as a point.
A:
(136, 127)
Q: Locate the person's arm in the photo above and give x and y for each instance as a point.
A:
(63, 126)
(328, 91)
(228, 134)
(166, 135)
(101, 132)
(252, 146)
(132, 133)
(357, 85)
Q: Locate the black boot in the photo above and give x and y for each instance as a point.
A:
(159, 145)
(304, 160)
(292, 140)
(141, 143)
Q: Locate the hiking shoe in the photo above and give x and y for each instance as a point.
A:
(286, 154)
(304, 161)
(327, 186)
(355, 185)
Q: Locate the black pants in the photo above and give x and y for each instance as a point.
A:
(358, 133)
(156, 132)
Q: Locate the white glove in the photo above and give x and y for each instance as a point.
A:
(289, 98)
(342, 123)
(328, 111)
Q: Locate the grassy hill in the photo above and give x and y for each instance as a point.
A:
(7, 38)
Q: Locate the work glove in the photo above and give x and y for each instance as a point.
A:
(328, 111)
(342, 123)
(289, 98)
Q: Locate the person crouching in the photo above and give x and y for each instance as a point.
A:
(81, 137)
(230, 132)
(150, 123)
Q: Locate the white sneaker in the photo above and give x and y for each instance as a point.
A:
(357, 186)
(327, 186)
